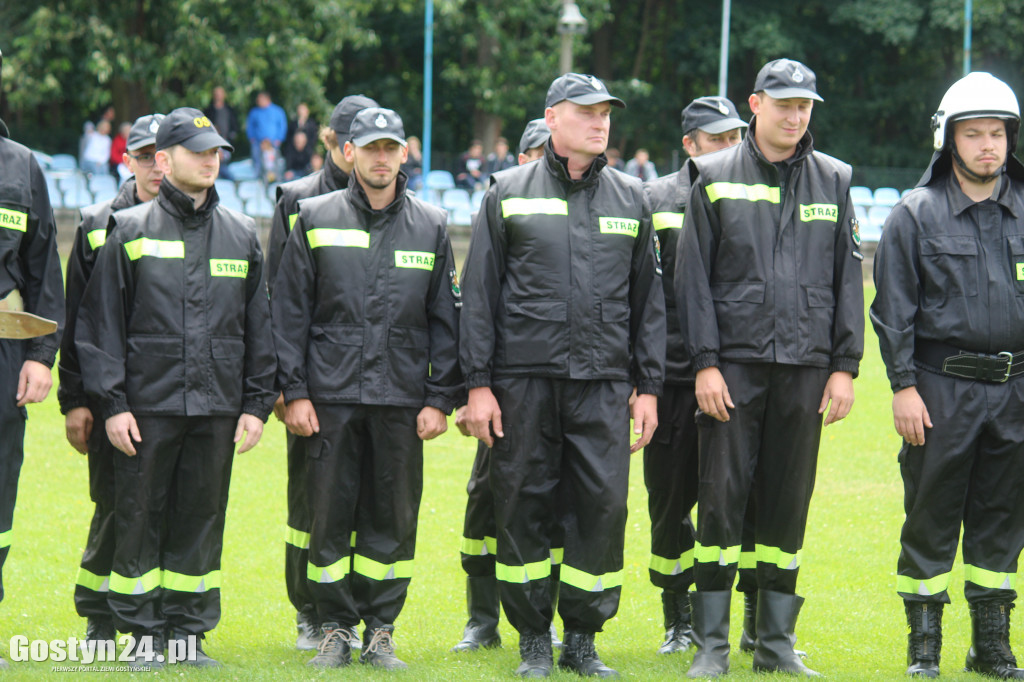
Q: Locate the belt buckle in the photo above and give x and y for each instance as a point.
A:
(1009, 364)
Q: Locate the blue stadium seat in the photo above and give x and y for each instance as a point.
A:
(76, 190)
(103, 184)
(862, 196)
(878, 214)
(455, 200)
(887, 196)
(477, 199)
(225, 188)
(242, 170)
(439, 180)
(461, 216)
(63, 162)
(250, 189)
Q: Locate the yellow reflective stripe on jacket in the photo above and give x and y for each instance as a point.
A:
(375, 570)
(291, 221)
(91, 581)
(157, 248)
(97, 238)
(747, 560)
(809, 212)
(737, 190)
(523, 206)
(926, 588)
(329, 574)
(13, 220)
(296, 538)
(667, 566)
(141, 585)
(522, 574)
(229, 267)
(5, 538)
(182, 582)
(473, 547)
(776, 557)
(722, 556)
(989, 579)
(556, 555)
(589, 582)
(421, 260)
(667, 220)
(329, 236)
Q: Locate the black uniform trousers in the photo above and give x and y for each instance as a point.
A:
(365, 476)
(970, 471)
(170, 504)
(296, 548)
(670, 474)
(769, 450)
(563, 439)
(91, 587)
(12, 441)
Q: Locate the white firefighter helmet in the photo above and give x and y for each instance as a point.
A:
(976, 95)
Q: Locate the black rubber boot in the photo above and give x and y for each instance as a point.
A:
(535, 652)
(748, 638)
(710, 633)
(580, 656)
(776, 622)
(924, 642)
(678, 629)
(484, 606)
(990, 652)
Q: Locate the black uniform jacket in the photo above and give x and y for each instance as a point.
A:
(950, 270)
(327, 179)
(89, 238)
(668, 196)
(28, 244)
(175, 319)
(768, 275)
(366, 305)
(562, 279)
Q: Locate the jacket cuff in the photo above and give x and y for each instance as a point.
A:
(705, 360)
(649, 387)
(902, 381)
(256, 409)
(114, 407)
(440, 402)
(851, 365)
(68, 403)
(478, 379)
(296, 392)
(43, 354)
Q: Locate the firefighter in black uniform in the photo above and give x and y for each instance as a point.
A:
(770, 295)
(30, 284)
(80, 416)
(334, 175)
(365, 314)
(478, 535)
(175, 323)
(670, 460)
(949, 312)
(564, 315)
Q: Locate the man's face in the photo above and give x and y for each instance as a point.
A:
(578, 128)
(219, 95)
(981, 143)
(148, 176)
(780, 122)
(377, 163)
(705, 143)
(263, 100)
(189, 171)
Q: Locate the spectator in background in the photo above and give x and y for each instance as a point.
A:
(223, 117)
(96, 154)
(615, 159)
(303, 122)
(298, 156)
(316, 162)
(470, 173)
(266, 122)
(108, 115)
(641, 166)
(118, 146)
(499, 159)
(413, 166)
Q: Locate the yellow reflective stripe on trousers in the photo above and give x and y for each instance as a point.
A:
(375, 570)
(776, 557)
(925, 588)
(329, 574)
(747, 560)
(182, 582)
(667, 220)
(722, 556)
(990, 579)
(328, 236)
(97, 238)
(473, 547)
(141, 585)
(556, 555)
(523, 206)
(296, 538)
(157, 248)
(5, 538)
(589, 582)
(522, 574)
(666, 566)
(736, 190)
(91, 581)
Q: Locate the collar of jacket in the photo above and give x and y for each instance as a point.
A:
(362, 202)
(126, 196)
(181, 206)
(961, 202)
(558, 166)
(337, 176)
(941, 164)
(804, 147)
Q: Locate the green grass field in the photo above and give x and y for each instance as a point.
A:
(852, 625)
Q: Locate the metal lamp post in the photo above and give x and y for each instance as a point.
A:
(570, 24)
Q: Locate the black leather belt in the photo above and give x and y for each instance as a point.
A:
(994, 368)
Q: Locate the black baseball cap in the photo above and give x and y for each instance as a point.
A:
(713, 115)
(143, 132)
(786, 78)
(374, 124)
(580, 88)
(346, 110)
(535, 135)
(191, 129)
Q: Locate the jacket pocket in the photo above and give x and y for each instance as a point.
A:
(949, 267)
(614, 334)
(535, 333)
(155, 372)
(408, 361)
(1016, 244)
(817, 321)
(743, 326)
(228, 372)
(334, 359)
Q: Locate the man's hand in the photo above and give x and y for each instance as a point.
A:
(644, 412)
(123, 432)
(78, 428)
(34, 383)
(839, 390)
(279, 407)
(252, 427)
(300, 417)
(430, 423)
(712, 394)
(483, 414)
(460, 421)
(910, 416)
